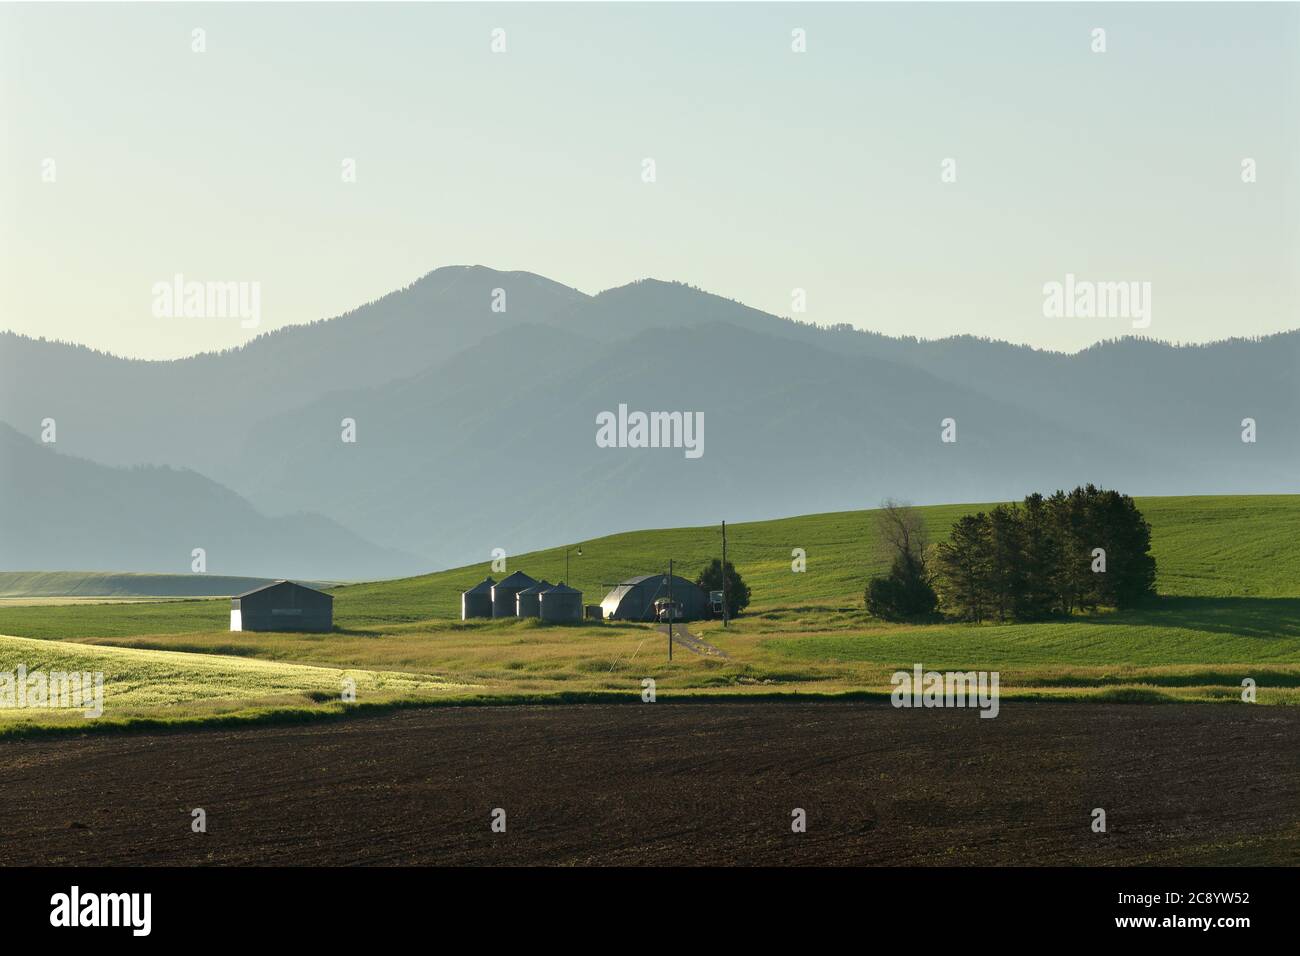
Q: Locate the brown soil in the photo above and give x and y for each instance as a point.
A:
(674, 783)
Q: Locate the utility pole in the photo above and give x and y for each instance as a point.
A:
(670, 609)
(726, 599)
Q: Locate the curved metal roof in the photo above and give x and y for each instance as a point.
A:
(620, 591)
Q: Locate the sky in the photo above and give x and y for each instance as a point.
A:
(774, 170)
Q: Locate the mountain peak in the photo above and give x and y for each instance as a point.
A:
(447, 277)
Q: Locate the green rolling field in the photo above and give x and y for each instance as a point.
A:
(1228, 576)
(152, 688)
(53, 586)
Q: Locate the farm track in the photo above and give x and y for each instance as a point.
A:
(684, 638)
(674, 783)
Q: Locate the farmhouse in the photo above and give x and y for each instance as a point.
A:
(282, 606)
(634, 599)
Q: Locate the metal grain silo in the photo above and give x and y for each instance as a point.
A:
(477, 601)
(561, 603)
(528, 601)
(505, 591)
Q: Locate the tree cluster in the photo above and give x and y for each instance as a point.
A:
(1050, 556)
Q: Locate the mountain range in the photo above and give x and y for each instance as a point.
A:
(475, 428)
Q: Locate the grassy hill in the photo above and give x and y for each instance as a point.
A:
(1226, 546)
(1204, 546)
(152, 687)
(91, 584)
(1228, 575)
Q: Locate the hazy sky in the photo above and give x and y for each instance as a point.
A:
(775, 170)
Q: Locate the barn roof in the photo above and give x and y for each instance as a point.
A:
(655, 581)
(281, 583)
(633, 599)
(641, 579)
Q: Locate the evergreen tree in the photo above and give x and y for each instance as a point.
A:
(904, 594)
(1072, 575)
(1045, 558)
(710, 579)
(964, 568)
(1042, 551)
(1006, 562)
(1121, 531)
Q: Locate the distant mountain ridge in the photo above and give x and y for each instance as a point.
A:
(60, 512)
(98, 584)
(475, 427)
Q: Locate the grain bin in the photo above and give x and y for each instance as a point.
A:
(561, 603)
(504, 593)
(527, 601)
(477, 601)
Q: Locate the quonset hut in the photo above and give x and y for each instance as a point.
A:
(561, 603)
(282, 606)
(505, 593)
(528, 602)
(477, 601)
(634, 599)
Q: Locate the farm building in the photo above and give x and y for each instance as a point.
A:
(505, 594)
(477, 601)
(634, 599)
(561, 603)
(528, 602)
(282, 606)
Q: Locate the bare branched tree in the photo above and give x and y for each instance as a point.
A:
(901, 531)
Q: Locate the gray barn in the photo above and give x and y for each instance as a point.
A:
(561, 603)
(477, 601)
(634, 599)
(282, 606)
(528, 602)
(505, 592)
